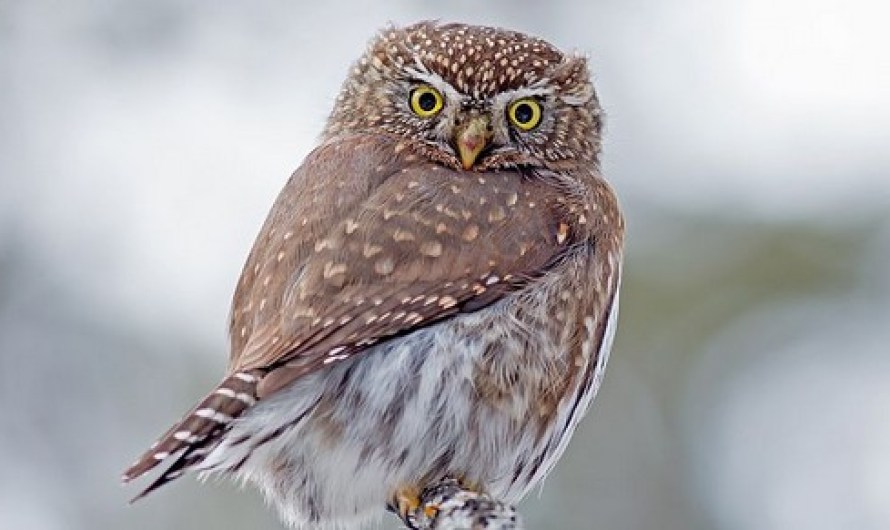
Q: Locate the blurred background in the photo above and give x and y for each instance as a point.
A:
(142, 142)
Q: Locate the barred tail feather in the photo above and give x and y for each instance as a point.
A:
(198, 432)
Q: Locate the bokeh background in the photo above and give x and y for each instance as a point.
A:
(142, 141)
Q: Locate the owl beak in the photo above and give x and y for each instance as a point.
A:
(471, 138)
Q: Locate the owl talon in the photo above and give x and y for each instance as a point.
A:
(420, 508)
(406, 503)
(450, 503)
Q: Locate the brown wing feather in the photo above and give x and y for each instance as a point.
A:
(366, 241)
(198, 430)
(428, 242)
(335, 178)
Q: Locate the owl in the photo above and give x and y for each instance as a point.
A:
(433, 295)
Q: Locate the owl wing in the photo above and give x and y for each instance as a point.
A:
(364, 243)
(425, 242)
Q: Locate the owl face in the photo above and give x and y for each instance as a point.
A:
(473, 97)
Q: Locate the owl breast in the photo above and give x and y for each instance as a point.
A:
(491, 398)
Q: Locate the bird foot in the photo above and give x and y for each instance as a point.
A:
(406, 503)
(448, 505)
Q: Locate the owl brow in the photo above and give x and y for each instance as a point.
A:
(424, 76)
(524, 92)
(419, 68)
(435, 80)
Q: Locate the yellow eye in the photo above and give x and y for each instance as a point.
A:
(426, 101)
(525, 113)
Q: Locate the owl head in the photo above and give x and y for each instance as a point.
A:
(473, 97)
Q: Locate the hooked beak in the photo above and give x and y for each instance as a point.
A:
(471, 138)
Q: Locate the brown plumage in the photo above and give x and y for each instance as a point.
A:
(385, 255)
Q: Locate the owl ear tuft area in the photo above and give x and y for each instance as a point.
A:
(573, 75)
(576, 88)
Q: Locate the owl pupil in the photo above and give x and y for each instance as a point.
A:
(523, 113)
(427, 101)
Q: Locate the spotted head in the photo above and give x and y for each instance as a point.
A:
(473, 97)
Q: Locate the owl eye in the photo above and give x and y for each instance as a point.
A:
(525, 113)
(426, 101)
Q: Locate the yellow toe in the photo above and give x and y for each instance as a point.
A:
(406, 501)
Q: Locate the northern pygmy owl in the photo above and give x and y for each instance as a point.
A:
(434, 292)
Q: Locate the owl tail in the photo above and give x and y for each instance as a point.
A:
(198, 432)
